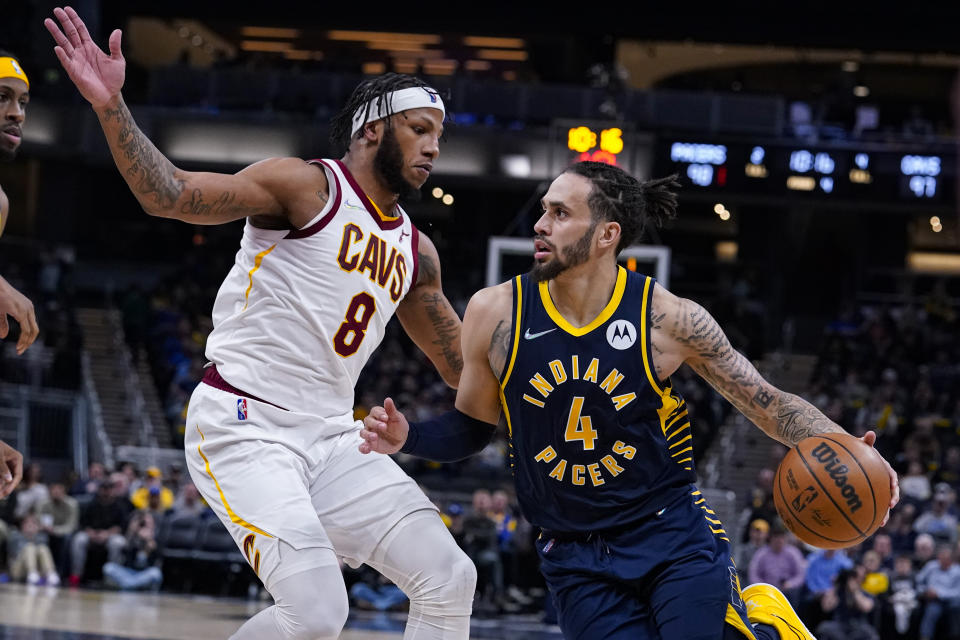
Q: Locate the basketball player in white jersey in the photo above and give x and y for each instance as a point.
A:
(14, 96)
(327, 256)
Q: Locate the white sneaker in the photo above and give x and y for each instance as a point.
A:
(53, 579)
(33, 578)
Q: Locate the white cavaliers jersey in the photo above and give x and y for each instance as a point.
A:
(301, 311)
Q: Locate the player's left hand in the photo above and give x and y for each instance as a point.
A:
(384, 430)
(11, 469)
(870, 437)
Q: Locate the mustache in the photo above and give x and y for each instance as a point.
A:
(544, 241)
(14, 129)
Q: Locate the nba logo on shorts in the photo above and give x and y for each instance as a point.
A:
(241, 408)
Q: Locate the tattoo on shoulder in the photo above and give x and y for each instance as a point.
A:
(429, 270)
(323, 197)
(446, 329)
(499, 349)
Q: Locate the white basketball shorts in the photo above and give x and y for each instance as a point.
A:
(243, 457)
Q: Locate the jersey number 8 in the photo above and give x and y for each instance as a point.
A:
(353, 329)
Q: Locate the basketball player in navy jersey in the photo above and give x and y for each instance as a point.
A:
(14, 96)
(578, 354)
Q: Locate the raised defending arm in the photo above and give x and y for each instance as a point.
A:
(161, 188)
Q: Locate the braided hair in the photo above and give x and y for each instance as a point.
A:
(371, 92)
(618, 197)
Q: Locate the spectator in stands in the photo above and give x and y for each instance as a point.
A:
(779, 563)
(189, 503)
(924, 549)
(937, 520)
(823, 565)
(453, 518)
(32, 492)
(883, 545)
(174, 478)
(848, 607)
(903, 600)
(373, 591)
(480, 542)
(88, 486)
(121, 491)
(101, 526)
(59, 518)
(915, 485)
(758, 532)
(761, 498)
(140, 568)
(939, 585)
(949, 471)
(30, 557)
(900, 528)
(876, 580)
(154, 481)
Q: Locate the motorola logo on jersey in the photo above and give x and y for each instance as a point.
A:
(621, 334)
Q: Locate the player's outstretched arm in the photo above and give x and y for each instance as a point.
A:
(686, 332)
(429, 319)
(161, 188)
(467, 429)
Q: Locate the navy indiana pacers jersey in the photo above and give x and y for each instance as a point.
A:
(598, 442)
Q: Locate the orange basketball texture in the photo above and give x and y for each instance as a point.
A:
(832, 490)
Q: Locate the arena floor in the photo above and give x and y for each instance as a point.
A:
(30, 613)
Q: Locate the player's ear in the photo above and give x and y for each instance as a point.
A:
(609, 235)
(372, 132)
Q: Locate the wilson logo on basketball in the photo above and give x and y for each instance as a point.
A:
(825, 454)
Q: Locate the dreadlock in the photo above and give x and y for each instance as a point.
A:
(368, 91)
(619, 197)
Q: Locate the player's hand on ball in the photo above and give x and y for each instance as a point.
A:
(384, 429)
(870, 438)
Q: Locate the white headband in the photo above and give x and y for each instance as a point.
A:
(411, 98)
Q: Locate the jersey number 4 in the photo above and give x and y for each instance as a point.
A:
(580, 427)
(353, 330)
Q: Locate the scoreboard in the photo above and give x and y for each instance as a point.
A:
(803, 171)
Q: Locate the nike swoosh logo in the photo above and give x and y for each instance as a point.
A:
(350, 205)
(532, 336)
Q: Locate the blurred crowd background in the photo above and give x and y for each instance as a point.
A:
(838, 279)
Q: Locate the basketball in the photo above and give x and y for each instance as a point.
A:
(832, 490)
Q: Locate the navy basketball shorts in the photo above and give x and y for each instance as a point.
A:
(668, 577)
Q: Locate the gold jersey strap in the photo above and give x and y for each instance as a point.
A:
(10, 68)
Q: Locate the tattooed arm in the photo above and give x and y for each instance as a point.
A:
(429, 319)
(683, 331)
(269, 189)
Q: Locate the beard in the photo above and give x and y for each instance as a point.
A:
(7, 154)
(575, 254)
(388, 164)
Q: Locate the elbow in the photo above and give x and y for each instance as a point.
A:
(452, 379)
